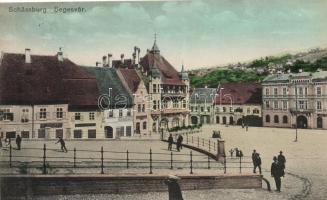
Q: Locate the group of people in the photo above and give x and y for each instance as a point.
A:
(278, 169)
(238, 152)
(256, 161)
(179, 142)
(8, 142)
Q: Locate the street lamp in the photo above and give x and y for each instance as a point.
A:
(295, 112)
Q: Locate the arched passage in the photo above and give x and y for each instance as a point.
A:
(319, 122)
(302, 122)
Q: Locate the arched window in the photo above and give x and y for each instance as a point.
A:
(285, 119)
(276, 119)
(267, 118)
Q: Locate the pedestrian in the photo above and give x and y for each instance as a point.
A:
(241, 153)
(18, 141)
(237, 152)
(231, 151)
(281, 160)
(258, 162)
(170, 142)
(276, 173)
(242, 124)
(247, 127)
(174, 189)
(62, 143)
(0, 142)
(254, 161)
(180, 141)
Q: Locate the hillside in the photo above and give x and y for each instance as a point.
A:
(257, 70)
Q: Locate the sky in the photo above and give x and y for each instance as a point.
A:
(199, 33)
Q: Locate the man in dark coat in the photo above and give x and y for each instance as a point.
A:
(18, 141)
(174, 190)
(254, 157)
(276, 173)
(170, 142)
(62, 143)
(281, 161)
(258, 162)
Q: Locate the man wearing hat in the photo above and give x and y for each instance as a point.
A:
(174, 190)
(281, 161)
(276, 173)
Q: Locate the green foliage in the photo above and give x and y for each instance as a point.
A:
(189, 127)
(262, 62)
(307, 66)
(224, 76)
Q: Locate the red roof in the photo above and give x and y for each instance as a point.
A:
(131, 78)
(240, 93)
(45, 81)
(170, 76)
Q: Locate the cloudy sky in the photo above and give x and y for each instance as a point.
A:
(197, 33)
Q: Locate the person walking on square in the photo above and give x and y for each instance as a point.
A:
(62, 143)
(254, 161)
(281, 161)
(258, 162)
(237, 152)
(180, 140)
(241, 153)
(18, 141)
(247, 127)
(276, 173)
(170, 142)
(231, 151)
(178, 143)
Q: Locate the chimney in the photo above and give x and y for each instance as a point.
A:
(60, 55)
(122, 58)
(27, 55)
(104, 61)
(109, 56)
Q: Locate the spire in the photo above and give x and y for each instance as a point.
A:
(155, 48)
(183, 75)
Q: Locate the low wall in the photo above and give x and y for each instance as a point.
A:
(13, 187)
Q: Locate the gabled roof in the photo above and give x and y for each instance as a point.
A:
(203, 95)
(108, 78)
(131, 77)
(240, 93)
(45, 81)
(170, 76)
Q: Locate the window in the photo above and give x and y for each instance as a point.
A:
(301, 91)
(59, 113)
(275, 104)
(24, 116)
(284, 91)
(275, 91)
(192, 108)
(248, 110)
(41, 133)
(43, 113)
(91, 133)
(318, 105)
(144, 125)
(143, 107)
(276, 119)
(284, 105)
(111, 113)
(208, 109)
(59, 133)
(230, 109)
(91, 116)
(120, 113)
(267, 91)
(128, 131)
(305, 91)
(175, 104)
(128, 113)
(25, 134)
(154, 88)
(267, 104)
(184, 104)
(285, 119)
(5, 114)
(224, 109)
(77, 116)
(139, 108)
(77, 133)
(120, 131)
(267, 118)
(301, 105)
(154, 105)
(256, 111)
(318, 91)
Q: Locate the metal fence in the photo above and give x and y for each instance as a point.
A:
(105, 161)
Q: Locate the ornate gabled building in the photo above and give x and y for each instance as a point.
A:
(168, 91)
(295, 100)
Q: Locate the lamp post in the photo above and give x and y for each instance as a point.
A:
(295, 112)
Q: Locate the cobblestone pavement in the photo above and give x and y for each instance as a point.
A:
(306, 158)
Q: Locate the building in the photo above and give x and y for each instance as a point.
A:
(168, 91)
(114, 102)
(295, 100)
(239, 103)
(37, 91)
(131, 79)
(202, 105)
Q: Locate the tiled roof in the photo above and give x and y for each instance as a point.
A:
(286, 77)
(170, 76)
(131, 78)
(241, 93)
(45, 81)
(203, 95)
(108, 78)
